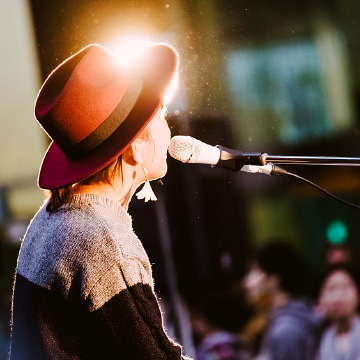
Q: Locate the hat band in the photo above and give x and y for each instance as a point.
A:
(109, 125)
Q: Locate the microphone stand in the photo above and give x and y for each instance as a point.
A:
(235, 159)
(310, 160)
(263, 163)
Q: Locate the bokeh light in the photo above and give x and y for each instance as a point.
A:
(336, 232)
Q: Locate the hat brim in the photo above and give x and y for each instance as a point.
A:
(159, 64)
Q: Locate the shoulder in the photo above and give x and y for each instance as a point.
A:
(285, 341)
(85, 226)
(61, 232)
(326, 345)
(288, 331)
(86, 241)
(290, 328)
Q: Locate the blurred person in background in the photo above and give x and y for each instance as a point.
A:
(276, 277)
(215, 319)
(84, 286)
(342, 253)
(339, 292)
(338, 254)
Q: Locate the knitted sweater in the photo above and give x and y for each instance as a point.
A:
(84, 288)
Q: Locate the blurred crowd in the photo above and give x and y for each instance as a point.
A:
(293, 314)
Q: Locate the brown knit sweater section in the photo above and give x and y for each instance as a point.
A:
(84, 288)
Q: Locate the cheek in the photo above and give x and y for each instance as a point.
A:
(166, 134)
(353, 301)
(340, 303)
(163, 139)
(157, 157)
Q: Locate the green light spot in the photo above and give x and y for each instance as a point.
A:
(336, 232)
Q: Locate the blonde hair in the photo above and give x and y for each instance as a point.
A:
(59, 197)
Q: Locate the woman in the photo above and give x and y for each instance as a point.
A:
(339, 303)
(84, 288)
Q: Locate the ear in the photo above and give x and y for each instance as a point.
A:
(134, 154)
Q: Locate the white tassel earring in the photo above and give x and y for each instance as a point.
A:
(146, 192)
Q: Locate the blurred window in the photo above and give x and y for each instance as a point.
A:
(290, 92)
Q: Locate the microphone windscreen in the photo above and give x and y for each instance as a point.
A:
(190, 150)
(184, 149)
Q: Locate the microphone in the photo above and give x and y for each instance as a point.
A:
(190, 150)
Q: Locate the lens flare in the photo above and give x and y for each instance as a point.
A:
(127, 48)
(127, 51)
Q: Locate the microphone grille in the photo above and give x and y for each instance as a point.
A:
(184, 148)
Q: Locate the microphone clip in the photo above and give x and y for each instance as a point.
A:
(236, 159)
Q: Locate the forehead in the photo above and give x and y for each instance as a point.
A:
(338, 277)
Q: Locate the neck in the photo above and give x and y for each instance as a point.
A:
(121, 189)
(280, 298)
(344, 325)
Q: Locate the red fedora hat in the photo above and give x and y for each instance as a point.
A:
(93, 108)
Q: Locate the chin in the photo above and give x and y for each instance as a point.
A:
(164, 169)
